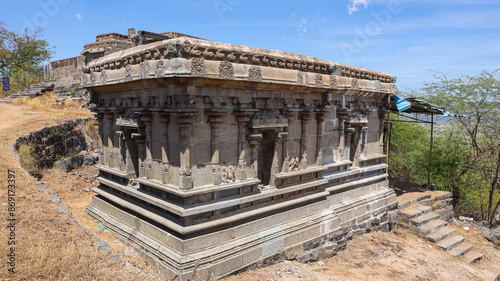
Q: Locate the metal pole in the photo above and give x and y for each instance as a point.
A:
(430, 151)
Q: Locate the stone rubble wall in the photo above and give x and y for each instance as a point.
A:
(56, 141)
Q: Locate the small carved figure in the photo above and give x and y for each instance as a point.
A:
(294, 164)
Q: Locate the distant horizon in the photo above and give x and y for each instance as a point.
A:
(404, 38)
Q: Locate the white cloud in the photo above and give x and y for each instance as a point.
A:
(353, 7)
(78, 16)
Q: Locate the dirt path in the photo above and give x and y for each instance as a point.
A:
(382, 256)
(50, 247)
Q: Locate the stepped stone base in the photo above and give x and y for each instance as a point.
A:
(311, 231)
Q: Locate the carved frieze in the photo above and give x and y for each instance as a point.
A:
(159, 69)
(355, 84)
(92, 78)
(333, 81)
(260, 121)
(144, 69)
(254, 74)
(104, 76)
(178, 48)
(225, 70)
(128, 73)
(227, 174)
(318, 80)
(293, 164)
(128, 120)
(198, 67)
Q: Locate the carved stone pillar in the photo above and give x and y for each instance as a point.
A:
(286, 157)
(185, 178)
(146, 119)
(342, 114)
(130, 154)
(121, 148)
(364, 141)
(242, 163)
(109, 157)
(305, 116)
(278, 156)
(254, 145)
(290, 115)
(355, 149)
(347, 143)
(140, 141)
(320, 117)
(215, 120)
(115, 140)
(164, 148)
(381, 115)
(100, 123)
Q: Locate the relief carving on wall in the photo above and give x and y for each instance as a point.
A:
(92, 78)
(333, 81)
(225, 70)
(254, 74)
(159, 69)
(144, 69)
(242, 166)
(164, 172)
(355, 84)
(318, 80)
(227, 174)
(293, 165)
(198, 67)
(104, 76)
(128, 72)
(121, 163)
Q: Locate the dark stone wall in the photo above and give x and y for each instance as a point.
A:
(52, 143)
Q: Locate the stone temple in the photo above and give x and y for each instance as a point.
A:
(218, 157)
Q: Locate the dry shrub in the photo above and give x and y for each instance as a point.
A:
(91, 129)
(40, 103)
(62, 118)
(69, 104)
(28, 159)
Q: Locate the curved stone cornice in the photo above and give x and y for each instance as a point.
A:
(189, 48)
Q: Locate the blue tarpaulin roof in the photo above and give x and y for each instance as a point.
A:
(414, 105)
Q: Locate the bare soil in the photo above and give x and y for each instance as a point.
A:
(50, 247)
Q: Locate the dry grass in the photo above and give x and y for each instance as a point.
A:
(28, 160)
(48, 245)
(91, 128)
(45, 101)
(40, 103)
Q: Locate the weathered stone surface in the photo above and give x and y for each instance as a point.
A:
(71, 163)
(228, 147)
(50, 143)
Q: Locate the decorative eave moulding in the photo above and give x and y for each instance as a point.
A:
(188, 57)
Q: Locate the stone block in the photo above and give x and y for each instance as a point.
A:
(222, 109)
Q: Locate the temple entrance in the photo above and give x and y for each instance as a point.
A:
(266, 153)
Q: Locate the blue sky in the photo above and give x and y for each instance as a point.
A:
(401, 37)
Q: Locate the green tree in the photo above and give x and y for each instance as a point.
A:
(21, 55)
(475, 101)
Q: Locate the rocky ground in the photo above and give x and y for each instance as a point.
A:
(50, 246)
